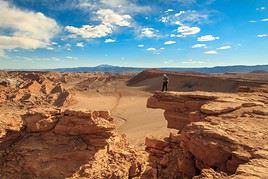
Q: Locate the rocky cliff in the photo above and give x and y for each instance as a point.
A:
(220, 135)
(49, 143)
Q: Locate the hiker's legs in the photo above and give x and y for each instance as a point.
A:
(164, 87)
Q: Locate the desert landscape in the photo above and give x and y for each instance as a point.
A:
(119, 125)
(133, 89)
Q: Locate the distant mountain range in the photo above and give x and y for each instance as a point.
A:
(118, 69)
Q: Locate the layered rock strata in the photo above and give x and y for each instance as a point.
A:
(222, 132)
(51, 143)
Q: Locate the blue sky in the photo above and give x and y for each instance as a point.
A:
(141, 33)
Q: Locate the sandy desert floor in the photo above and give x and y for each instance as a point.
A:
(127, 106)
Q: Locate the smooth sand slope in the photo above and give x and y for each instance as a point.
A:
(126, 104)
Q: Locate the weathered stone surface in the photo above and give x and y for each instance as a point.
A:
(155, 143)
(256, 168)
(223, 131)
(74, 123)
(40, 120)
(69, 144)
(214, 108)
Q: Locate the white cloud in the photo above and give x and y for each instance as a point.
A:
(170, 42)
(140, 45)
(109, 41)
(207, 38)
(264, 20)
(151, 49)
(224, 47)
(186, 30)
(261, 8)
(124, 6)
(187, 17)
(148, 32)
(252, 21)
(110, 21)
(72, 58)
(50, 48)
(162, 48)
(193, 62)
(211, 52)
(108, 16)
(199, 46)
(169, 10)
(121, 6)
(29, 30)
(177, 35)
(262, 35)
(80, 44)
(68, 46)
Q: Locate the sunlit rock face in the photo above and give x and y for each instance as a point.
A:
(50, 143)
(223, 132)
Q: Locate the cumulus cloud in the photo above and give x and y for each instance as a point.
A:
(170, 42)
(110, 21)
(207, 38)
(224, 47)
(148, 32)
(28, 30)
(199, 46)
(151, 49)
(80, 44)
(186, 30)
(140, 45)
(262, 35)
(211, 52)
(109, 41)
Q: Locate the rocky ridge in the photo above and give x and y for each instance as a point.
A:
(220, 135)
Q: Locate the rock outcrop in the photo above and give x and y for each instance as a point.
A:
(50, 143)
(31, 92)
(222, 132)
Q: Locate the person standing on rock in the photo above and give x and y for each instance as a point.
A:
(165, 83)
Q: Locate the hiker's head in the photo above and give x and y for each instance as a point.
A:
(165, 75)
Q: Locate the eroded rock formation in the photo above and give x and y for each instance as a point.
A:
(222, 132)
(33, 89)
(70, 144)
